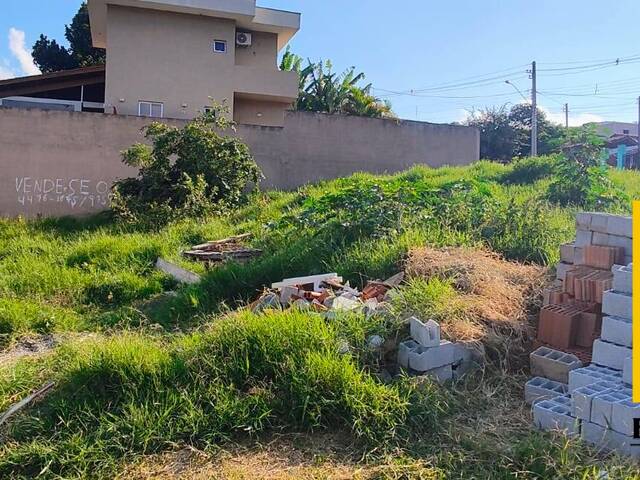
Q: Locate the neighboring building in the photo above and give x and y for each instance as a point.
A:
(608, 129)
(170, 58)
(622, 151)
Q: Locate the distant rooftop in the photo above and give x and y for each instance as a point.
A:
(245, 12)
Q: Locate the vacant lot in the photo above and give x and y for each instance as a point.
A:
(158, 380)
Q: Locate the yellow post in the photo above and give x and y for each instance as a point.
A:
(636, 305)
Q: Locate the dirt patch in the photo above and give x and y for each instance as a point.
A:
(494, 298)
(28, 346)
(283, 457)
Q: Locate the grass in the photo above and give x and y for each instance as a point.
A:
(164, 371)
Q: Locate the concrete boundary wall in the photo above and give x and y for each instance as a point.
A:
(63, 163)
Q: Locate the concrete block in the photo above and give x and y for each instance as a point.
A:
(466, 357)
(599, 222)
(562, 269)
(622, 416)
(602, 406)
(178, 273)
(609, 354)
(403, 352)
(582, 397)
(617, 330)
(539, 388)
(553, 364)
(426, 334)
(583, 221)
(600, 239)
(554, 415)
(622, 279)
(567, 253)
(609, 440)
(441, 374)
(626, 371)
(622, 242)
(583, 238)
(423, 359)
(620, 225)
(591, 374)
(616, 304)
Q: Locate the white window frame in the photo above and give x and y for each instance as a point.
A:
(224, 42)
(151, 105)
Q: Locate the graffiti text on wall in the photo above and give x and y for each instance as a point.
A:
(76, 192)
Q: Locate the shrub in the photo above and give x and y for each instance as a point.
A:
(581, 177)
(189, 171)
(529, 170)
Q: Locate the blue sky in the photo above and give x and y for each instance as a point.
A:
(434, 46)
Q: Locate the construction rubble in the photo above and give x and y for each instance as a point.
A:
(582, 368)
(327, 294)
(216, 251)
(425, 354)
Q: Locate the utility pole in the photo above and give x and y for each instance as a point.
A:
(534, 112)
(566, 115)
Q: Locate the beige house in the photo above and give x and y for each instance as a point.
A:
(170, 58)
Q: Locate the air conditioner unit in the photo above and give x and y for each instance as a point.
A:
(243, 39)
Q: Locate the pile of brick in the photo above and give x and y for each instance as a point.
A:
(427, 354)
(592, 401)
(571, 317)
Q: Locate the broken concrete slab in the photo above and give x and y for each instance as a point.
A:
(178, 273)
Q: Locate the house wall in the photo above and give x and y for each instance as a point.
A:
(168, 57)
(255, 112)
(263, 51)
(63, 163)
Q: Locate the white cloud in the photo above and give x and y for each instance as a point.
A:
(575, 120)
(5, 70)
(19, 50)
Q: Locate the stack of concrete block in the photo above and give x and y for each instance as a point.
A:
(550, 369)
(600, 409)
(427, 354)
(571, 315)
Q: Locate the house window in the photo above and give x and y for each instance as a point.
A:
(219, 46)
(625, 132)
(151, 109)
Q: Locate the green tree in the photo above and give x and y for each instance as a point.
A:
(323, 90)
(50, 56)
(506, 133)
(549, 134)
(581, 176)
(497, 135)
